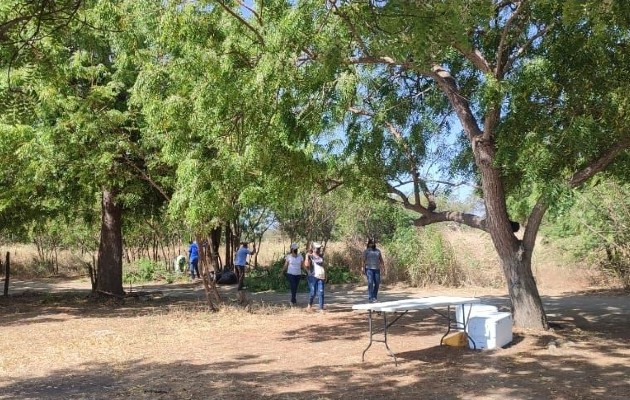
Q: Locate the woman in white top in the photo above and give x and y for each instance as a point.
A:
(293, 265)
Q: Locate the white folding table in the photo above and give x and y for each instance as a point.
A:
(402, 307)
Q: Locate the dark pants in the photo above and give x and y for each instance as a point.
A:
(294, 281)
(240, 275)
(194, 268)
(374, 281)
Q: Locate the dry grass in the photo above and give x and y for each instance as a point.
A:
(76, 348)
(474, 252)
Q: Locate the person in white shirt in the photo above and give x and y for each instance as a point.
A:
(293, 266)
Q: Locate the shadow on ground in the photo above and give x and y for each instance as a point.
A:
(433, 373)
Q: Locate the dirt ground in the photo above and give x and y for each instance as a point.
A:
(57, 343)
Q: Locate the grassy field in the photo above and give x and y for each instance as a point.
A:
(474, 253)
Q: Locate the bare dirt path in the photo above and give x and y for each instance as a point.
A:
(58, 344)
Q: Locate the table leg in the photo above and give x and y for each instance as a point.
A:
(449, 322)
(466, 325)
(370, 328)
(385, 326)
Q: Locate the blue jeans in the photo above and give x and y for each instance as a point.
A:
(374, 281)
(194, 268)
(294, 281)
(316, 286)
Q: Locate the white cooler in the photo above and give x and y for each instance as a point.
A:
(461, 312)
(489, 330)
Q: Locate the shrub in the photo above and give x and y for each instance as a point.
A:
(146, 270)
(260, 279)
(423, 257)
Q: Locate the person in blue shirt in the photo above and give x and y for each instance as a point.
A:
(193, 257)
(240, 261)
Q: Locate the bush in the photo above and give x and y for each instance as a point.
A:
(146, 270)
(271, 278)
(423, 257)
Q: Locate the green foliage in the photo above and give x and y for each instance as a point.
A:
(363, 217)
(261, 279)
(311, 217)
(595, 225)
(340, 274)
(423, 257)
(145, 270)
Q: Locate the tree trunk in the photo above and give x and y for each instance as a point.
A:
(527, 308)
(516, 259)
(110, 250)
(215, 242)
(7, 274)
(229, 264)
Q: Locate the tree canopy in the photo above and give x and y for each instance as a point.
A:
(212, 108)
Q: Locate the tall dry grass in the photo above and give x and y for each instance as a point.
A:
(476, 259)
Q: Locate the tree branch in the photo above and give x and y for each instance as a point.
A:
(346, 20)
(381, 60)
(474, 221)
(476, 58)
(147, 178)
(460, 104)
(600, 164)
(241, 3)
(533, 224)
(524, 47)
(501, 48)
(261, 40)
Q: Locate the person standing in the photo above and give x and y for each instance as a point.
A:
(240, 262)
(316, 277)
(372, 263)
(193, 257)
(293, 265)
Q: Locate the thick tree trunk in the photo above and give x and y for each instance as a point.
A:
(110, 250)
(527, 308)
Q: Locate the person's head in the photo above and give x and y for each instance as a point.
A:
(317, 247)
(244, 244)
(371, 243)
(294, 248)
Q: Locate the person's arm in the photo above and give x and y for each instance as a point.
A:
(303, 265)
(285, 268)
(380, 256)
(365, 262)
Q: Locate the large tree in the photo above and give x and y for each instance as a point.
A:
(219, 99)
(85, 140)
(539, 91)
